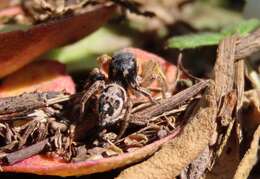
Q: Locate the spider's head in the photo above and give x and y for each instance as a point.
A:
(123, 69)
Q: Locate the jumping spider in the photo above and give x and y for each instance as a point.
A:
(113, 97)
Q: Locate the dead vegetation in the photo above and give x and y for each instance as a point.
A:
(174, 124)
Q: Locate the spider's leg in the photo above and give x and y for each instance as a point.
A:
(98, 85)
(143, 91)
(125, 121)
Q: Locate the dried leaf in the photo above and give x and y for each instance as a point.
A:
(227, 108)
(251, 110)
(18, 48)
(228, 156)
(37, 164)
(10, 12)
(197, 168)
(250, 157)
(4, 4)
(252, 96)
(227, 147)
(135, 140)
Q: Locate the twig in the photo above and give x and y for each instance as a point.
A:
(29, 101)
(24, 153)
(142, 117)
(144, 104)
(15, 116)
(248, 45)
(167, 113)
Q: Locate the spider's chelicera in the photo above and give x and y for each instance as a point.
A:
(113, 100)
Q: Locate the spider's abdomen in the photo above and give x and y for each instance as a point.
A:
(111, 104)
(123, 69)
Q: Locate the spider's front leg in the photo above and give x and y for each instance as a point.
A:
(97, 86)
(125, 120)
(95, 83)
(136, 86)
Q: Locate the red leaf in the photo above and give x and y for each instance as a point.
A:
(48, 166)
(18, 48)
(39, 76)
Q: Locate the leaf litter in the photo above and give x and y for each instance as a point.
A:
(221, 94)
(54, 124)
(163, 123)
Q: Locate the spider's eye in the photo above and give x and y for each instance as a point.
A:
(123, 68)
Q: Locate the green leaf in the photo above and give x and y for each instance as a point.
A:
(243, 28)
(206, 38)
(195, 40)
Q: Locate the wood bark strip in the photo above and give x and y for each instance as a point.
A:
(248, 45)
(226, 132)
(29, 101)
(239, 86)
(224, 69)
